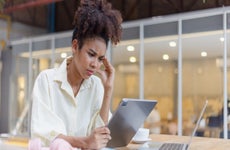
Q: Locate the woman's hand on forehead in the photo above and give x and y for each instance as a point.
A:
(106, 73)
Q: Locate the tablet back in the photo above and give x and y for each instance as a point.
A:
(127, 119)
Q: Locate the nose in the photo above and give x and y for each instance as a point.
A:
(95, 63)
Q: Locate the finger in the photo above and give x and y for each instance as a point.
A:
(108, 137)
(104, 141)
(100, 72)
(102, 76)
(103, 145)
(103, 130)
(99, 129)
(107, 130)
(107, 64)
(105, 61)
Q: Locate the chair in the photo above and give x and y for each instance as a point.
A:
(222, 134)
(214, 121)
(214, 124)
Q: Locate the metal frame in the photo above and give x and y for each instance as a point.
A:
(156, 20)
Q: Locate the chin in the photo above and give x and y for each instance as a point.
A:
(87, 76)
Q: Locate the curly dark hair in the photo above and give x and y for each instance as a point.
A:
(96, 18)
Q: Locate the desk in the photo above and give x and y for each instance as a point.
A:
(14, 143)
(198, 143)
(211, 131)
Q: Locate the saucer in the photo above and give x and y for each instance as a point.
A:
(141, 141)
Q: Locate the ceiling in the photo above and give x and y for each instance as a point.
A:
(57, 15)
(192, 46)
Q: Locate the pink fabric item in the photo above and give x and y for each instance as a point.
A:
(57, 144)
(35, 144)
(60, 144)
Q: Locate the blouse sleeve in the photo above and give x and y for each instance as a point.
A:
(96, 120)
(44, 123)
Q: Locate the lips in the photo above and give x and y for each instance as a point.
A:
(90, 72)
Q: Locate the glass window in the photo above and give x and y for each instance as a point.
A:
(160, 72)
(202, 77)
(202, 70)
(19, 82)
(125, 58)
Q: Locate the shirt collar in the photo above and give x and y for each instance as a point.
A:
(61, 76)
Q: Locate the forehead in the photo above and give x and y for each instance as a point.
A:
(96, 44)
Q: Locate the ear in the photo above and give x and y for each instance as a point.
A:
(74, 46)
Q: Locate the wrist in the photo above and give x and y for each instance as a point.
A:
(108, 93)
(83, 142)
(78, 142)
(108, 88)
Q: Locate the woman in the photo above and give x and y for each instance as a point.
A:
(70, 102)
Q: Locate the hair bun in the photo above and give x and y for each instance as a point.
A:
(96, 18)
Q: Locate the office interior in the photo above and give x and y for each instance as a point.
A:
(180, 60)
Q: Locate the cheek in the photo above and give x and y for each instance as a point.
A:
(85, 59)
(101, 66)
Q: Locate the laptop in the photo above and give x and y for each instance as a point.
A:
(127, 119)
(174, 146)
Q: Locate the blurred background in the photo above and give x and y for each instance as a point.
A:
(174, 51)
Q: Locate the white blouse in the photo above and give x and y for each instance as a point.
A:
(56, 111)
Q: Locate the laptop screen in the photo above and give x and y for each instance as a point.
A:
(127, 119)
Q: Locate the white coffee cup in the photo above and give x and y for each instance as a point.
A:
(142, 134)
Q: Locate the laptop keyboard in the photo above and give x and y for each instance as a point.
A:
(172, 146)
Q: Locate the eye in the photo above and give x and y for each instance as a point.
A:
(100, 59)
(91, 54)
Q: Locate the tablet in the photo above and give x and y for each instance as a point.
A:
(127, 119)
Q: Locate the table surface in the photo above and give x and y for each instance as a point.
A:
(198, 143)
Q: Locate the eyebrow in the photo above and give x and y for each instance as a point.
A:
(95, 53)
(102, 57)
